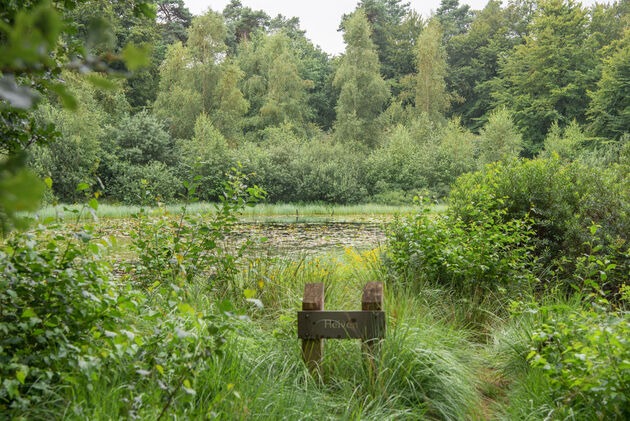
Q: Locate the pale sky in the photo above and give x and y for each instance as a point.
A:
(321, 18)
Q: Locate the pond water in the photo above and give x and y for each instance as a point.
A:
(311, 238)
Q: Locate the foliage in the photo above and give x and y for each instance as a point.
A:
(32, 59)
(499, 140)
(475, 257)
(473, 55)
(562, 199)
(585, 354)
(294, 169)
(273, 82)
(171, 250)
(208, 154)
(75, 155)
(129, 184)
(428, 86)
(396, 165)
(609, 110)
(139, 140)
(546, 78)
(581, 347)
(58, 301)
(195, 78)
(363, 92)
(394, 30)
(566, 144)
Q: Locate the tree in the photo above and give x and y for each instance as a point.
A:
(473, 59)
(31, 61)
(454, 19)
(272, 83)
(242, 23)
(385, 17)
(363, 92)
(208, 155)
(499, 139)
(546, 79)
(174, 19)
(429, 87)
(609, 111)
(198, 78)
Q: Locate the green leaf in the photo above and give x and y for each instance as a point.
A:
(136, 57)
(82, 186)
(28, 313)
(67, 99)
(185, 308)
(48, 181)
(21, 376)
(249, 293)
(100, 82)
(93, 203)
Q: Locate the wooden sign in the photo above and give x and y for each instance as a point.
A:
(315, 324)
(341, 324)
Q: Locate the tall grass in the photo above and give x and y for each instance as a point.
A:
(425, 368)
(262, 210)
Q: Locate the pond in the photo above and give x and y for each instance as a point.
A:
(291, 239)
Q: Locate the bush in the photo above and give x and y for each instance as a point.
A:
(586, 356)
(135, 184)
(395, 165)
(294, 169)
(139, 140)
(329, 172)
(474, 257)
(209, 155)
(56, 300)
(499, 139)
(562, 199)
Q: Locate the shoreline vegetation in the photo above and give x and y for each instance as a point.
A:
(278, 212)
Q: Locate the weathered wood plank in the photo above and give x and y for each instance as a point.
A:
(313, 296)
(313, 349)
(341, 324)
(372, 298)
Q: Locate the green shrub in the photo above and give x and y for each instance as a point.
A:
(56, 299)
(499, 139)
(395, 165)
(585, 353)
(329, 172)
(210, 156)
(130, 184)
(562, 199)
(139, 140)
(474, 257)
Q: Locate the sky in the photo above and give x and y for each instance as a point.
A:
(320, 18)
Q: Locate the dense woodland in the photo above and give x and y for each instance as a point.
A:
(510, 300)
(412, 103)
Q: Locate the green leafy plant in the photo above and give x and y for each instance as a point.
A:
(474, 257)
(57, 297)
(171, 249)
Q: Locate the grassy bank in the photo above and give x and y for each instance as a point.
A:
(288, 211)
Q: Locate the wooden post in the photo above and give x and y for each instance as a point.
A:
(372, 300)
(313, 349)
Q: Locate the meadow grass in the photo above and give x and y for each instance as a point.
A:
(426, 366)
(262, 210)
